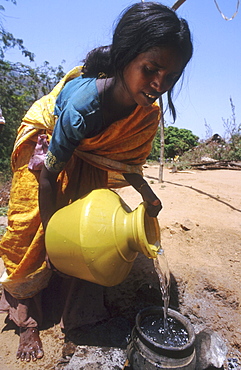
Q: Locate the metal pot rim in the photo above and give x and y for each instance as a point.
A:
(174, 352)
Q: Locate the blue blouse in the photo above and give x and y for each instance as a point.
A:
(79, 116)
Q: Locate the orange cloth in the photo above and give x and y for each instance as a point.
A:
(122, 147)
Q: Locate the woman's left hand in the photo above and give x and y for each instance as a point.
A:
(154, 204)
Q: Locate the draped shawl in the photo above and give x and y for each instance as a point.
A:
(97, 162)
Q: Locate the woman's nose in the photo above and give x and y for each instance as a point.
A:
(160, 84)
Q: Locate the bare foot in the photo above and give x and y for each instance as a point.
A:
(30, 345)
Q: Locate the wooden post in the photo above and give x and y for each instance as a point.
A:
(176, 5)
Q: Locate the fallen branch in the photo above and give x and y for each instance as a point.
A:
(217, 165)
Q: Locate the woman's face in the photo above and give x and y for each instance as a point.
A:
(150, 75)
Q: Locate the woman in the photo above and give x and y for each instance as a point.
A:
(99, 121)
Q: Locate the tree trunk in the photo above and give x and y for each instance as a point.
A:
(177, 4)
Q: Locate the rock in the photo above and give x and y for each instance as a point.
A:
(187, 225)
(210, 349)
(69, 349)
(233, 363)
(97, 358)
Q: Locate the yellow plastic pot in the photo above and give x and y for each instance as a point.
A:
(98, 237)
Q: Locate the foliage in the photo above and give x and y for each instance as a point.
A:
(234, 149)
(2, 230)
(177, 141)
(8, 41)
(227, 149)
(155, 152)
(3, 211)
(182, 143)
(204, 151)
(20, 86)
(233, 136)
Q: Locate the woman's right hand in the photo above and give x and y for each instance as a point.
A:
(47, 195)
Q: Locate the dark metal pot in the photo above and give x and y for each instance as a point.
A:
(145, 354)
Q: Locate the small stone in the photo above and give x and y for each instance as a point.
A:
(68, 349)
(233, 363)
(210, 349)
(187, 225)
(172, 231)
(97, 358)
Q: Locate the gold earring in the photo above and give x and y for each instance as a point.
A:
(102, 75)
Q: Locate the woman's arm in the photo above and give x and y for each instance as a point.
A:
(137, 181)
(47, 195)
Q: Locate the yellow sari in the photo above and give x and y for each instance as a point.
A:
(97, 162)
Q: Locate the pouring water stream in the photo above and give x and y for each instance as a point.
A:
(167, 331)
(163, 272)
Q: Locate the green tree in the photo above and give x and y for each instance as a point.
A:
(155, 152)
(20, 86)
(178, 141)
(8, 41)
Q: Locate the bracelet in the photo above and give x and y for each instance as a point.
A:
(144, 183)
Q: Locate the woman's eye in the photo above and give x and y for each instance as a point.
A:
(150, 70)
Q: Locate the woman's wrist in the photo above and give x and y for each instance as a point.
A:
(141, 186)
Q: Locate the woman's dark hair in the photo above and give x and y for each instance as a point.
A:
(142, 26)
(97, 62)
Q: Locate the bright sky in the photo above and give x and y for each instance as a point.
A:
(57, 30)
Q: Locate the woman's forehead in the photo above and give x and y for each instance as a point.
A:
(160, 56)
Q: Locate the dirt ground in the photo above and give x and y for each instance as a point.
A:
(201, 235)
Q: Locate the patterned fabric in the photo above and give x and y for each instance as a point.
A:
(52, 163)
(37, 159)
(26, 272)
(122, 147)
